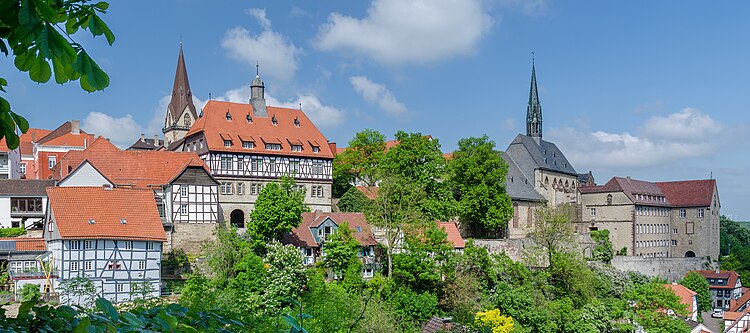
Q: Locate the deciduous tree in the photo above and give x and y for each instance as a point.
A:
(341, 250)
(39, 34)
(354, 201)
(698, 284)
(553, 231)
(277, 211)
(361, 159)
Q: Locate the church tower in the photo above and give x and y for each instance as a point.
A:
(181, 113)
(534, 110)
(258, 95)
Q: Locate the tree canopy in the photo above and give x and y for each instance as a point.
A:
(278, 210)
(39, 35)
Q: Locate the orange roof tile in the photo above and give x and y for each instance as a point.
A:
(371, 192)
(454, 236)
(26, 146)
(27, 244)
(732, 315)
(215, 127)
(740, 302)
(63, 136)
(302, 235)
(73, 207)
(686, 295)
(689, 193)
(140, 168)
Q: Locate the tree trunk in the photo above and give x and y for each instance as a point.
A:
(390, 262)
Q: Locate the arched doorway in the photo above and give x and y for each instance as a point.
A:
(689, 254)
(237, 218)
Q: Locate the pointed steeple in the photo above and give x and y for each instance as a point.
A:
(534, 109)
(182, 96)
(257, 95)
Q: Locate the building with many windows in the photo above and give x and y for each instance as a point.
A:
(725, 287)
(247, 145)
(113, 236)
(23, 202)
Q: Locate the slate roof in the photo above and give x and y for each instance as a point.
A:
(517, 186)
(146, 144)
(182, 96)
(302, 236)
(26, 187)
(74, 207)
(140, 168)
(689, 193)
(730, 276)
(544, 155)
(216, 128)
(454, 236)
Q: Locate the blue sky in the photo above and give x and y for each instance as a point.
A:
(653, 90)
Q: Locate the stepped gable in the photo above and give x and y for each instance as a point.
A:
(237, 122)
(105, 213)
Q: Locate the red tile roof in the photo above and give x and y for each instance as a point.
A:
(732, 315)
(730, 276)
(631, 188)
(689, 193)
(73, 208)
(140, 168)
(454, 236)
(26, 146)
(371, 192)
(686, 295)
(216, 128)
(63, 136)
(302, 235)
(27, 244)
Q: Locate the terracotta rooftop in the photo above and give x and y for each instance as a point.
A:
(371, 192)
(140, 168)
(454, 236)
(689, 193)
(686, 295)
(67, 135)
(302, 235)
(26, 244)
(741, 301)
(730, 276)
(97, 212)
(26, 146)
(291, 127)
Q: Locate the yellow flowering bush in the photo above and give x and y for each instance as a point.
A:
(491, 321)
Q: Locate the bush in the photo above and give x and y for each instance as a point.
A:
(30, 292)
(12, 232)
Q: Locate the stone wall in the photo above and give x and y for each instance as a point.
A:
(671, 269)
(190, 236)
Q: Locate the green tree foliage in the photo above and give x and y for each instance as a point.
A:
(553, 232)
(30, 293)
(78, 290)
(649, 302)
(359, 162)
(39, 34)
(353, 201)
(478, 180)
(419, 266)
(698, 284)
(224, 252)
(735, 247)
(341, 250)
(603, 251)
(12, 232)
(286, 276)
(278, 210)
(418, 160)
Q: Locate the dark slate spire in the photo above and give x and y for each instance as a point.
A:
(257, 95)
(182, 96)
(534, 109)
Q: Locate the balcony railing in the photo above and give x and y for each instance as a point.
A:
(33, 274)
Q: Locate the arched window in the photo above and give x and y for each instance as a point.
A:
(237, 218)
(187, 120)
(609, 199)
(689, 254)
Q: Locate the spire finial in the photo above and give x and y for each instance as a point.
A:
(300, 106)
(532, 58)
(180, 41)
(257, 68)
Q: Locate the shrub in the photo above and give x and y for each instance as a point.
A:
(12, 232)
(30, 292)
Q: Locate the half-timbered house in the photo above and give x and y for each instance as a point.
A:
(247, 145)
(185, 192)
(113, 236)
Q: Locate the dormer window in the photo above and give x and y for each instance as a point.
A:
(227, 143)
(316, 149)
(249, 118)
(273, 146)
(296, 121)
(274, 121)
(229, 116)
(248, 144)
(296, 148)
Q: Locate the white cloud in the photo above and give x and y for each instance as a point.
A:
(528, 7)
(122, 131)
(376, 93)
(662, 141)
(323, 116)
(399, 31)
(275, 53)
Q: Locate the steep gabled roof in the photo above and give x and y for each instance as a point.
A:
(517, 186)
(686, 295)
(63, 136)
(290, 125)
(182, 96)
(454, 236)
(99, 213)
(689, 193)
(543, 155)
(730, 276)
(302, 236)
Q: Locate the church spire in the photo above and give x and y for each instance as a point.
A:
(257, 95)
(181, 112)
(534, 109)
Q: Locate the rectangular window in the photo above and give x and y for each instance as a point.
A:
(114, 265)
(272, 165)
(226, 188)
(256, 164)
(183, 191)
(316, 149)
(226, 163)
(89, 265)
(51, 161)
(674, 231)
(273, 146)
(26, 205)
(142, 265)
(23, 168)
(74, 245)
(150, 246)
(296, 148)
(592, 211)
(183, 209)
(294, 166)
(128, 245)
(227, 143)
(248, 144)
(683, 213)
(699, 213)
(73, 266)
(120, 287)
(255, 188)
(240, 188)
(88, 245)
(317, 168)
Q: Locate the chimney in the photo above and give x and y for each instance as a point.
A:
(75, 126)
(332, 145)
(156, 140)
(143, 137)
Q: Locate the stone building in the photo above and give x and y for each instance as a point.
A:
(661, 219)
